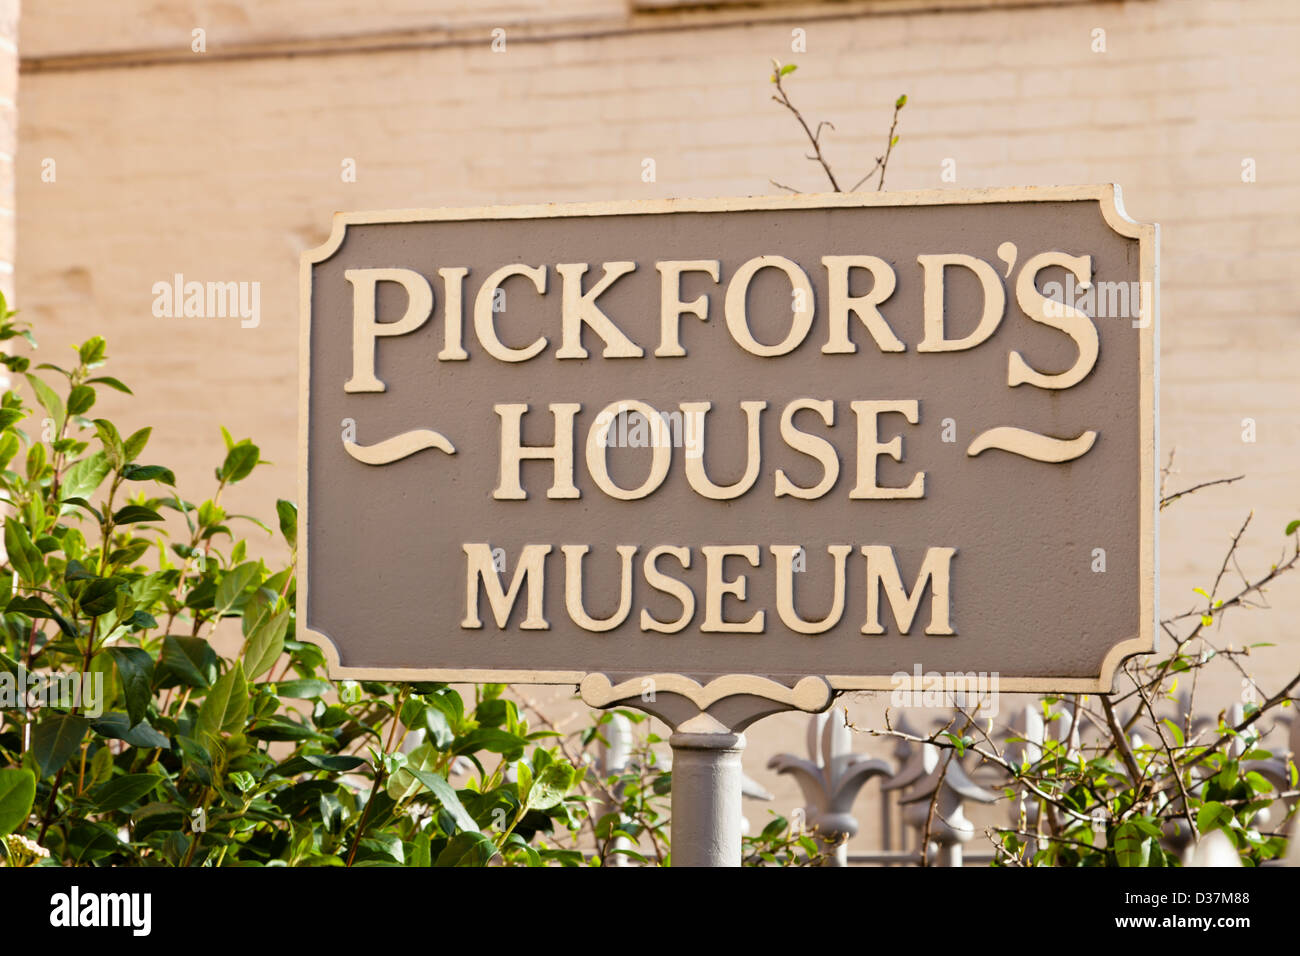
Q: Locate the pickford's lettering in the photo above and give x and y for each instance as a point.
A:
(579, 310)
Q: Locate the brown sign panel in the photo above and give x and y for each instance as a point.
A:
(846, 437)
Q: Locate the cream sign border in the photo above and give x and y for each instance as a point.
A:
(810, 692)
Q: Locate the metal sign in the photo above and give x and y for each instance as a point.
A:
(733, 443)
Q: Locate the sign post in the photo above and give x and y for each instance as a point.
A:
(716, 459)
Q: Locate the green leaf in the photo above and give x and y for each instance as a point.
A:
(36, 461)
(306, 688)
(112, 441)
(149, 473)
(1291, 528)
(403, 785)
(490, 739)
(523, 781)
(226, 705)
(337, 763)
(438, 727)
(84, 476)
(135, 669)
(101, 765)
(134, 445)
(469, 848)
(276, 727)
(55, 739)
(1132, 846)
(288, 514)
(110, 382)
(92, 351)
(1147, 826)
(788, 68)
(31, 606)
(900, 102)
(156, 817)
(1212, 816)
(240, 462)
(551, 786)
(117, 726)
(17, 792)
(132, 514)
(417, 852)
(446, 795)
(266, 644)
(23, 554)
(450, 705)
(1258, 782)
(8, 441)
(50, 401)
(233, 584)
(120, 791)
(100, 596)
(80, 399)
(187, 660)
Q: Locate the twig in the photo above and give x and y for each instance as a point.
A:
(1187, 491)
(889, 148)
(1174, 770)
(1239, 598)
(1121, 741)
(1006, 765)
(934, 802)
(815, 138)
(1283, 694)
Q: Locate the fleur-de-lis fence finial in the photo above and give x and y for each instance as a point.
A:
(830, 778)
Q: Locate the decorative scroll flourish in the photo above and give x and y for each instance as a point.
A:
(1027, 444)
(399, 447)
(810, 693)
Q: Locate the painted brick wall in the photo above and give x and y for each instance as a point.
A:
(9, 10)
(226, 168)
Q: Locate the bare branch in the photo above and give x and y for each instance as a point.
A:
(1174, 770)
(1120, 739)
(1205, 484)
(889, 144)
(1283, 694)
(784, 99)
(870, 172)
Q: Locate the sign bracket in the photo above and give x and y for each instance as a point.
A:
(708, 723)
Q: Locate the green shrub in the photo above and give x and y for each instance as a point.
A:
(187, 757)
